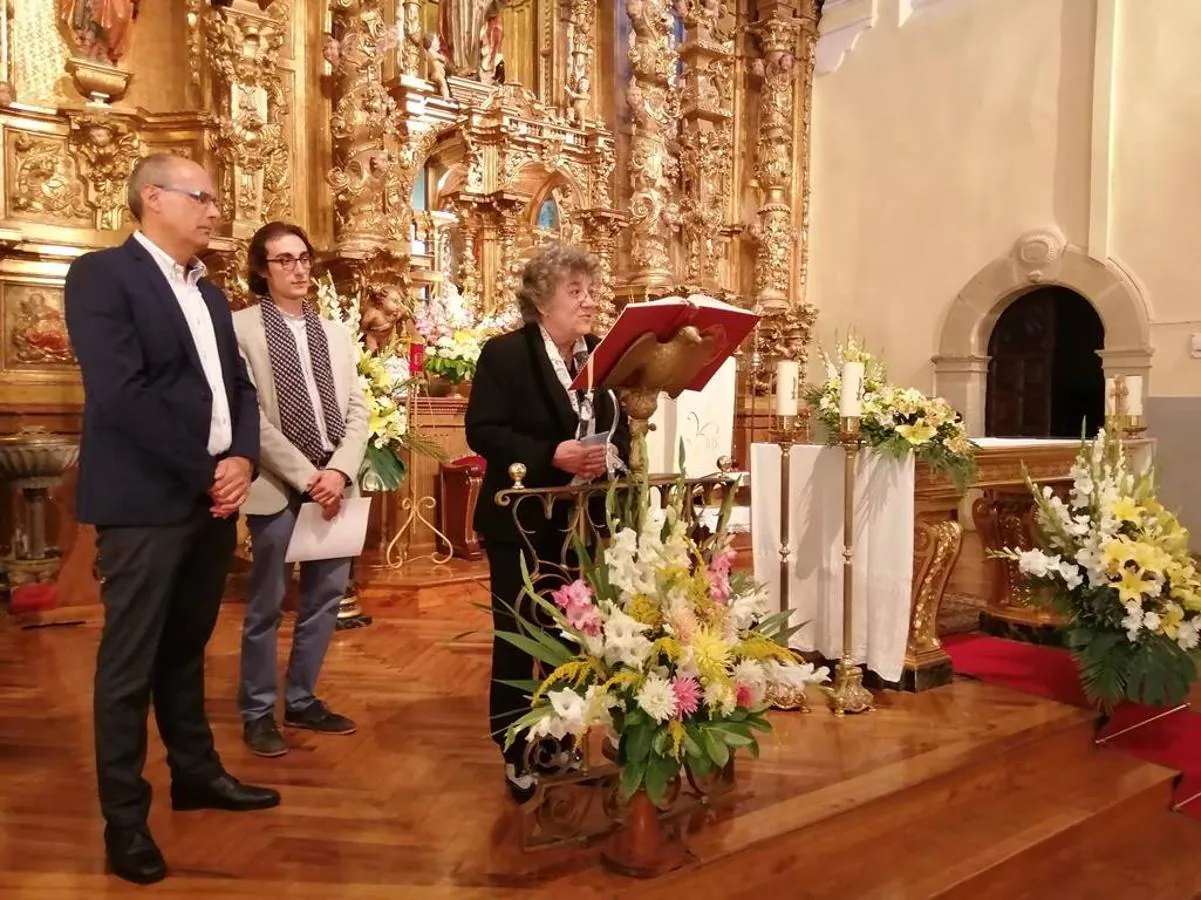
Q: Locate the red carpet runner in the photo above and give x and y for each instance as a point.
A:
(1173, 741)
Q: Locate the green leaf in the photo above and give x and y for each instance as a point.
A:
(661, 742)
(383, 467)
(528, 685)
(691, 747)
(700, 765)
(637, 743)
(715, 747)
(659, 772)
(549, 655)
(734, 738)
(753, 749)
(632, 774)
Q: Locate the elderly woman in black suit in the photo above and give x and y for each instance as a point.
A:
(523, 410)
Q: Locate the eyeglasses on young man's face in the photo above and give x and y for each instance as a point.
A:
(288, 263)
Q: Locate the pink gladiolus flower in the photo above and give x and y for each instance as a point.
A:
(719, 574)
(688, 696)
(575, 600)
(744, 695)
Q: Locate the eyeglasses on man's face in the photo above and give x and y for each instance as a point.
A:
(204, 198)
(288, 263)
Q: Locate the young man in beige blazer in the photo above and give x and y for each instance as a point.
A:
(313, 435)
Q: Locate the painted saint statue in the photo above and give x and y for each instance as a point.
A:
(470, 31)
(101, 28)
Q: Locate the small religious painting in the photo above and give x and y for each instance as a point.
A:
(100, 29)
(38, 329)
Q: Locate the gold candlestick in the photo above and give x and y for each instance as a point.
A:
(1133, 426)
(786, 435)
(848, 695)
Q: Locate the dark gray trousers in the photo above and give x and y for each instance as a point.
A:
(161, 593)
(322, 585)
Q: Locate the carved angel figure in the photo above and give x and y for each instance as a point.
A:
(381, 313)
(101, 28)
(436, 60)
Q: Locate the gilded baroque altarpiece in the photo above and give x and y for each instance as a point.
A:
(422, 143)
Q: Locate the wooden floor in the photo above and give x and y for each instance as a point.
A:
(968, 791)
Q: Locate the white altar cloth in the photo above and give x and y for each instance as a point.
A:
(883, 561)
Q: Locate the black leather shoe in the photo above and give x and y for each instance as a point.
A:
(131, 853)
(225, 792)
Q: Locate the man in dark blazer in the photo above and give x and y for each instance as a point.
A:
(169, 445)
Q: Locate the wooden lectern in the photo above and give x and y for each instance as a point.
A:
(663, 346)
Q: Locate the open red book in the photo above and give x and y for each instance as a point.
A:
(721, 329)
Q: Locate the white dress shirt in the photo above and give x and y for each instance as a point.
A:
(184, 284)
(300, 332)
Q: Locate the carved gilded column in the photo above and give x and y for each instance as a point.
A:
(706, 137)
(362, 120)
(601, 228)
(504, 294)
(412, 37)
(786, 32)
(255, 163)
(469, 272)
(578, 78)
(652, 103)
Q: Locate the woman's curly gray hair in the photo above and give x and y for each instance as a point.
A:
(543, 273)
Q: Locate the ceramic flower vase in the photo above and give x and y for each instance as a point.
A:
(640, 848)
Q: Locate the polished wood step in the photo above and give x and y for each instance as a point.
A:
(413, 805)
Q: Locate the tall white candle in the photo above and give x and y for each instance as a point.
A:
(1111, 396)
(788, 378)
(850, 405)
(1134, 395)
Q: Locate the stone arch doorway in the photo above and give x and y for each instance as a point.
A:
(1045, 378)
(1040, 258)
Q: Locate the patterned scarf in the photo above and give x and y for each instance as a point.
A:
(296, 417)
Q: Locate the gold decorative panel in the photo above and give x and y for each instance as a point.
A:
(35, 328)
(38, 367)
(42, 181)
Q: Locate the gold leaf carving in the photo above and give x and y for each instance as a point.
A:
(38, 331)
(43, 181)
(255, 176)
(108, 147)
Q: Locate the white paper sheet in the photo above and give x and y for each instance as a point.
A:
(341, 537)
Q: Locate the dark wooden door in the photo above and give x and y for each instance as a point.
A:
(1045, 377)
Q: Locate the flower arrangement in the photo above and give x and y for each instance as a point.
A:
(1117, 565)
(659, 642)
(444, 323)
(896, 420)
(385, 383)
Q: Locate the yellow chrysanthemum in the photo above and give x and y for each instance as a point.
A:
(643, 609)
(668, 646)
(710, 655)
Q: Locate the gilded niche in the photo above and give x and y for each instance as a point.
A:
(38, 330)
